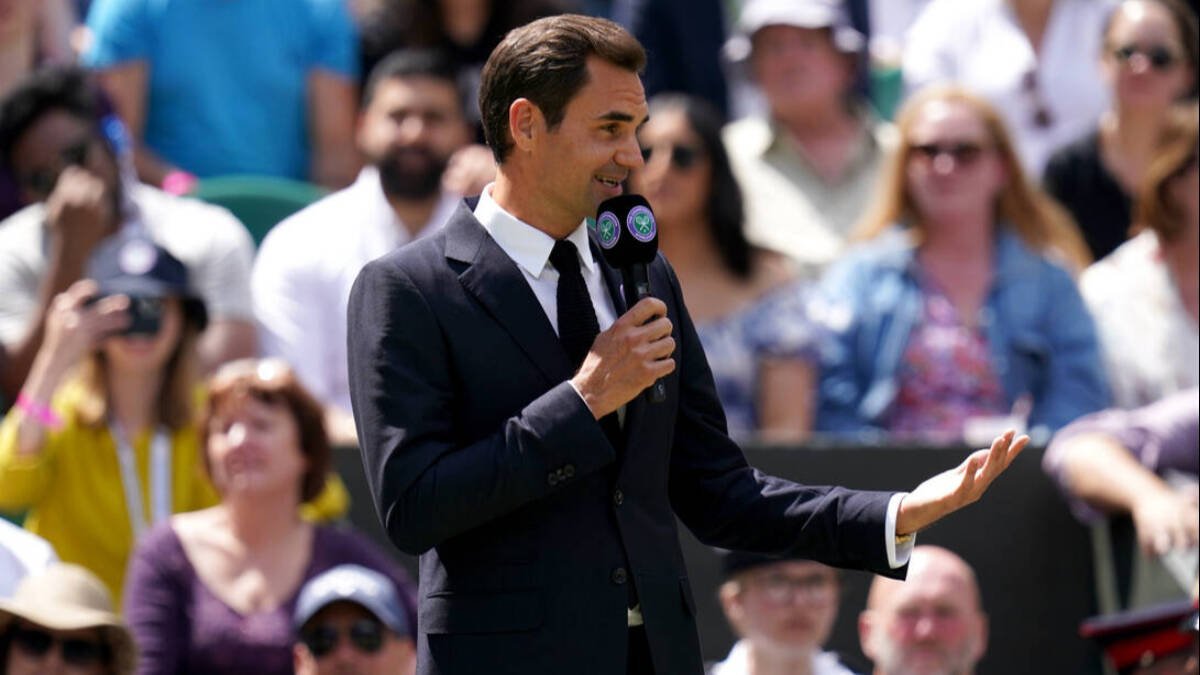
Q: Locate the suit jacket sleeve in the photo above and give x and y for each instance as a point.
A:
(727, 503)
(427, 485)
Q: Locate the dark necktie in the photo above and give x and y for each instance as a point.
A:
(577, 325)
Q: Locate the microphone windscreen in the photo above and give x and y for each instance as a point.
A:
(626, 231)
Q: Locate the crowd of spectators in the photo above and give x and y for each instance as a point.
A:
(894, 222)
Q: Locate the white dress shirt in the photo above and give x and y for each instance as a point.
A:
(530, 248)
(306, 267)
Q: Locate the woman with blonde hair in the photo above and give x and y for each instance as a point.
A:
(1145, 294)
(957, 311)
(101, 441)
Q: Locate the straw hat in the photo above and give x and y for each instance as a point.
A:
(68, 597)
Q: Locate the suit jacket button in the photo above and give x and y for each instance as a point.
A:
(569, 471)
(619, 576)
(618, 497)
(552, 479)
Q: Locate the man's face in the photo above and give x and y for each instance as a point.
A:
(584, 160)
(55, 141)
(929, 624)
(799, 69)
(787, 608)
(409, 130)
(346, 639)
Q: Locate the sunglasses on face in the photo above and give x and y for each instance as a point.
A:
(683, 157)
(365, 634)
(75, 651)
(1160, 57)
(42, 181)
(963, 152)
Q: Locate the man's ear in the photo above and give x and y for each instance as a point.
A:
(525, 123)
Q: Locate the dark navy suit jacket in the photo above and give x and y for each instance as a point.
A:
(530, 524)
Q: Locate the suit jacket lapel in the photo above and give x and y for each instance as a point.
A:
(496, 281)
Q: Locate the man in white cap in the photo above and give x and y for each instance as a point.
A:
(809, 164)
(350, 622)
(61, 621)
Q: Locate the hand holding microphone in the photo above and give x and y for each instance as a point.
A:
(628, 236)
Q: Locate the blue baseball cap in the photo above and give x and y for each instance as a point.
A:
(364, 587)
(138, 267)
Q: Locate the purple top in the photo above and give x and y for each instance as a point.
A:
(946, 375)
(181, 627)
(1163, 436)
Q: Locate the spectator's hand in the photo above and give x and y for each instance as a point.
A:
(74, 327)
(627, 358)
(1166, 521)
(80, 211)
(951, 490)
(470, 170)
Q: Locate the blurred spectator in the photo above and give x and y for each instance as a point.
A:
(467, 30)
(215, 591)
(21, 553)
(809, 164)
(68, 162)
(32, 32)
(956, 316)
(782, 611)
(683, 40)
(411, 125)
(350, 620)
(1121, 461)
(211, 89)
(1159, 640)
(746, 301)
(61, 620)
(1149, 63)
(1035, 60)
(930, 623)
(101, 442)
(1144, 296)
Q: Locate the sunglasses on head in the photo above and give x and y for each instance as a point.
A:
(683, 157)
(42, 182)
(365, 634)
(1160, 57)
(962, 152)
(75, 651)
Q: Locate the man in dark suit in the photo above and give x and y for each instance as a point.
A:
(495, 379)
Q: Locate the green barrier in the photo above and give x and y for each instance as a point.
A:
(260, 202)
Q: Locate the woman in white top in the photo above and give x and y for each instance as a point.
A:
(1035, 60)
(1144, 295)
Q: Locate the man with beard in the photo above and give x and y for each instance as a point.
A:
(415, 138)
(929, 624)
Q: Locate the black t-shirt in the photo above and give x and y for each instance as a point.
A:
(1078, 179)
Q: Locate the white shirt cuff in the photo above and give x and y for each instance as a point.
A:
(897, 554)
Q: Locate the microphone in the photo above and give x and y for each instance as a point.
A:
(628, 236)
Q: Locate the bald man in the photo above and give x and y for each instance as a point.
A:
(929, 624)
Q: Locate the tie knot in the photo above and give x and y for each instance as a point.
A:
(565, 257)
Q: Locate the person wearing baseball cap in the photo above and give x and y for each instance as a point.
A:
(61, 621)
(782, 610)
(809, 162)
(349, 621)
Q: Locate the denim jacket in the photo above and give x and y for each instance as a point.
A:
(1041, 338)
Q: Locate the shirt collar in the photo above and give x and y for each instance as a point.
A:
(528, 246)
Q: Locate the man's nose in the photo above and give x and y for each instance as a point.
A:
(412, 129)
(629, 155)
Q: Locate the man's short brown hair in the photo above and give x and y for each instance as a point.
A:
(545, 61)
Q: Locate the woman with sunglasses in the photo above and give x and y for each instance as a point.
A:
(746, 302)
(1144, 295)
(61, 621)
(956, 312)
(1149, 61)
(101, 441)
(214, 591)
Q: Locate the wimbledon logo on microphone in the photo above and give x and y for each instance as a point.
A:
(641, 224)
(608, 230)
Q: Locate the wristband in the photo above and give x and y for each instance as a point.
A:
(42, 414)
(178, 182)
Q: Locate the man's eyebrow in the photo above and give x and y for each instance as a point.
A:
(616, 116)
